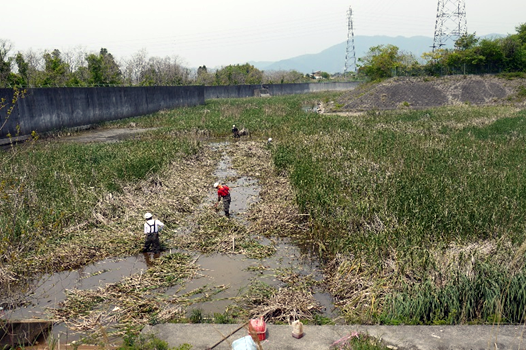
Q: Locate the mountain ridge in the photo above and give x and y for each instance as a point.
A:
(332, 59)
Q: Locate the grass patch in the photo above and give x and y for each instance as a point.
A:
(358, 341)
(148, 342)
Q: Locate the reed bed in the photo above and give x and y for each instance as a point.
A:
(110, 222)
(400, 206)
(393, 191)
(209, 233)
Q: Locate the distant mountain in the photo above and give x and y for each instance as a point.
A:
(332, 60)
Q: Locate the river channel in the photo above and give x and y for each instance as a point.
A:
(234, 271)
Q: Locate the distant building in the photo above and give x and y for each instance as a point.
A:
(317, 75)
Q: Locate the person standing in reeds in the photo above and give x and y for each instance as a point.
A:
(235, 132)
(151, 231)
(223, 192)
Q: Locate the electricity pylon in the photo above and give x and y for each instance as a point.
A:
(350, 52)
(451, 22)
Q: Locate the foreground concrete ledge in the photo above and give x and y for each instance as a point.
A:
(202, 336)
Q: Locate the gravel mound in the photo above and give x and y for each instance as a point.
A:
(425, 92)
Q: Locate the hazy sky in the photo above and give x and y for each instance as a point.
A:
(222, 32)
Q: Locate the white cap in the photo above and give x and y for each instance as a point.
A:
(233, 126)
(148, 216)
(216, 184)
(269, 139)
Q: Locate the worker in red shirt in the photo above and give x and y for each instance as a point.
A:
(223, 192)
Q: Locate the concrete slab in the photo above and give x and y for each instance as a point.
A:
(203, 336)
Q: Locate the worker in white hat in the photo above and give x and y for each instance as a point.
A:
(223, 192)
(151, 231)
(235, 132)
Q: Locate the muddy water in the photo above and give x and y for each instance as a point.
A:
(235, 272)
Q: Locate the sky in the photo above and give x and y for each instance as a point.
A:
(217, 33)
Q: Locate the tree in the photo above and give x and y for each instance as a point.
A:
(134, 67)
(36, 67)
(521, 33)
(103, 69)
(5, 62)
(284, 77)
(492, 51)
(238, 74)
(383, 60)
(23, 69)
(514, 54)
(56, 70)
(466, 41)
(168, 71)
(157, 71)
(203, 76)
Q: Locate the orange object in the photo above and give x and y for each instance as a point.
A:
(259, 325)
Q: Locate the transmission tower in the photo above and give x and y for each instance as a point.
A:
(451, 22)
(350, 52)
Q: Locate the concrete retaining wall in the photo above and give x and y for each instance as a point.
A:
(47, 109)
(240, 91)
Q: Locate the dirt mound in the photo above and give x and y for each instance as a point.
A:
(424, 92)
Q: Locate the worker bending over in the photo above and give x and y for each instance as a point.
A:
(223, 192)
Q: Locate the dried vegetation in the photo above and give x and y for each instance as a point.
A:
(179, 197)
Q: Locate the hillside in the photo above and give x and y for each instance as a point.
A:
(424, 92)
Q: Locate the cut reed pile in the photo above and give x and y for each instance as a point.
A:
(136, 300)
(276, 213)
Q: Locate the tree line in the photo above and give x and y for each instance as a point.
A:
(79, 68)
(470, 55)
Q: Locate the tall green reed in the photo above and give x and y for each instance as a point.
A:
(491, 295)
(46, 186)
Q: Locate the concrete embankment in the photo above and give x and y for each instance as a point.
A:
(279, 337)
(47, 109)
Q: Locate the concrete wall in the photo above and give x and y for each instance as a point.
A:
(240, 91)
(47, 109)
